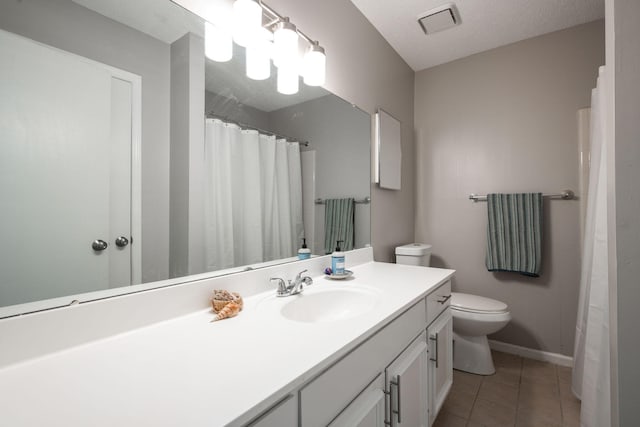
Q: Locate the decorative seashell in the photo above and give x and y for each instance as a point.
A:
(222, 294)
(229, 310)
(222, 297)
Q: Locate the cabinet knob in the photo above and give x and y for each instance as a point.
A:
(435, 340)
(444, 299)
(396, 411)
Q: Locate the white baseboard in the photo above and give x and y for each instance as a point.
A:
(545, 356)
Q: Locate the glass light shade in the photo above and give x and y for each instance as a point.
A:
(315, 63)
(217, 43)
(285, 45)
(247, 21)
(258, 56)
(287, 83)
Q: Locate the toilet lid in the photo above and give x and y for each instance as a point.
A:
(414, 249)
(475, 303)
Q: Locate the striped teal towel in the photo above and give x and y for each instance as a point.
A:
(514, 233)
(338, 224)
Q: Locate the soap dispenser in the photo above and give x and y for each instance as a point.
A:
(337, 260)
(304, 252)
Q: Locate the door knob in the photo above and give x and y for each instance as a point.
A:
(99, 245)
(122, 241)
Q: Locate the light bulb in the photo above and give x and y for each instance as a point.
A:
(287, 83)
(285, 44)
(259, 56)
(217, 43)
(247, 21)
(315, 63)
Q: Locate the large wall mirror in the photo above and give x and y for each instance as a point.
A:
(130, 161)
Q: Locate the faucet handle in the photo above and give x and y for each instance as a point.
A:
(299, 275)
(282, 286)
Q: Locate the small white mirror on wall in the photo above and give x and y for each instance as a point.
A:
(388, 152)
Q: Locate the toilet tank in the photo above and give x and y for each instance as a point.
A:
(414, 254)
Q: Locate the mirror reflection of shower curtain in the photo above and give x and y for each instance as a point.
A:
(591, 374)
(253, 200)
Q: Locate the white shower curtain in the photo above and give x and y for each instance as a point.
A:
(591, 375)
(253, 197)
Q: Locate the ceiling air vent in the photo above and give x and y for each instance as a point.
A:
(440, 18)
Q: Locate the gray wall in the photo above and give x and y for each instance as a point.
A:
(340, 136)
(506, 121)
(363, 69)
(187, 156)
(623, 51)
(65, 25)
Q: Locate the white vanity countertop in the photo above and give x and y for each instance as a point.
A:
(188, 371)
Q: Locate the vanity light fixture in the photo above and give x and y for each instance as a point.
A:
(288, 80)
(247, 21)
(285, 44)
(276, 40)
(314, 65)
(258, 56)
(218, 45)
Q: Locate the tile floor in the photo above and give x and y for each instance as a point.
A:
(522, 393)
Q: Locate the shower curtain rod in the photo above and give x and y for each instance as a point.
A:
(244, 126)
(565, 195)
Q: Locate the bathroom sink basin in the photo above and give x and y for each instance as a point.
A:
(330, 305)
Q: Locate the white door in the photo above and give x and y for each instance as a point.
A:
(440, 334)
(367, 410)
(65, 165)
(406, 383)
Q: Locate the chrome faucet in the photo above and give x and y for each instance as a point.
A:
(294, 287)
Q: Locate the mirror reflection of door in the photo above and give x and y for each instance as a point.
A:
(51, 217)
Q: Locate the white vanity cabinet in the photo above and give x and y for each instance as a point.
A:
(406, 384)
(413, 356)
(440, 348)
(336, 391)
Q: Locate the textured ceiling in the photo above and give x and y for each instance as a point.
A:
(486, 24)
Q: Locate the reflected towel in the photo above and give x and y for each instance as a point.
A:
(338, 224)
(514, 233)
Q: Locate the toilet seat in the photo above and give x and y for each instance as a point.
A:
(477, 304)
(481, 317)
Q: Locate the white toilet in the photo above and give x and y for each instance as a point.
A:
(474, 317)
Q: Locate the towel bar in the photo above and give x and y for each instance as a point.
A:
(364, 201)
(565, 195)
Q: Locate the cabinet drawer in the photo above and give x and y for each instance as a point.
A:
(438, 300)
(323, 398)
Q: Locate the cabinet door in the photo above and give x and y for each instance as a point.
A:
(440, 334)
(282, 414)
(322, 399)
(367, 410)
(406, 385)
